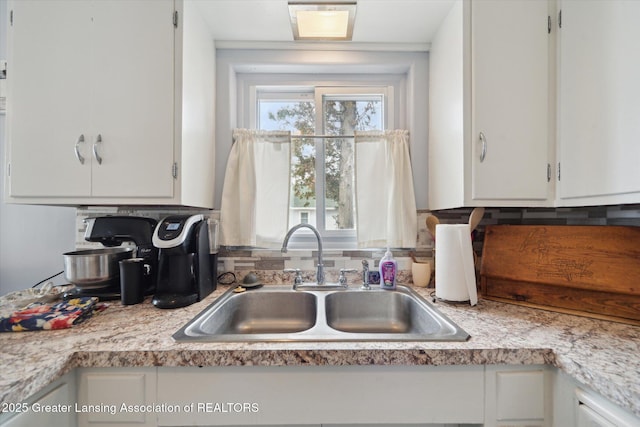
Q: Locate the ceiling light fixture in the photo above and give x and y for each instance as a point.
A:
(322, 21)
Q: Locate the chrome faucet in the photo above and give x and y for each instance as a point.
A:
(320, 268)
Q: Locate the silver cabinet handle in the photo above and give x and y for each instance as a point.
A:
(95, 149)
(483, 150)
(77, 149)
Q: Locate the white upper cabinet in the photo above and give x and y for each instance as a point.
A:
(489, 139)
(509, 99)
(132, 97)
(96, 101)
(48, 99)
(599, 108)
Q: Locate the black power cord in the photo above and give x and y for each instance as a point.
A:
(48, 278)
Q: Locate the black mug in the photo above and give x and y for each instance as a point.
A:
(132, 281)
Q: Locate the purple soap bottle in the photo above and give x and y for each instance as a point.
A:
(388, 271)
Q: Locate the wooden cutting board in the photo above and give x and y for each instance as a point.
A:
(592, 271)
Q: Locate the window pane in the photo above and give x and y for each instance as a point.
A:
(295, 116)
(339, 184)
(299, 118)
(342, 117)
(303, 178)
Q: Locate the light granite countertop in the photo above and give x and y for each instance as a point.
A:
(604, 356)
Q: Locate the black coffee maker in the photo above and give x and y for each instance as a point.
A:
(185, 270)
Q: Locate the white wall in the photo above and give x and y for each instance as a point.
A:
(446, 112)
(32, 238)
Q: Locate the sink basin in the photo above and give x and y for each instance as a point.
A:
(279, 313)
(258, 313)
(381, 313)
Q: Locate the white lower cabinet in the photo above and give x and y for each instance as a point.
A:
(255, 395)
(592, 410)
(576, 406)
(53, 406)
(518, 396)
(116, 396)
(587, 417)
(328, 396)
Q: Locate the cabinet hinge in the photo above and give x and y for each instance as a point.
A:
(175, 18)
(558, 171)
(548, 172)
(560, 19)
(174, 170)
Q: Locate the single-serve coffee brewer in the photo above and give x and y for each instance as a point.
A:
(186, 268)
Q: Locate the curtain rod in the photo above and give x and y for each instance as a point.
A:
(321, 136)
(283, 138)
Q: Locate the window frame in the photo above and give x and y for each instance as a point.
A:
(332, 239)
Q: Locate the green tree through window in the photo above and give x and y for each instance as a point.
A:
(324, 166)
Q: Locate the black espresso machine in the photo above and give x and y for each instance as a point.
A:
(187, 265)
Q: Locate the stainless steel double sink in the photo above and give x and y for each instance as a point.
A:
(279, 313)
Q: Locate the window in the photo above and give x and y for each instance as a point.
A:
(242, 69)
(322, 121)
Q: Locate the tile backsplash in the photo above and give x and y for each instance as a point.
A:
(269, 264)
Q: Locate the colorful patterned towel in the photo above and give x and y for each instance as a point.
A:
(39, 316)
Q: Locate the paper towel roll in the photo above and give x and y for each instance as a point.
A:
(455, 272)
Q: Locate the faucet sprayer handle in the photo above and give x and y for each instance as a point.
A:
(298, 278)
(365, 275)
(343, 277)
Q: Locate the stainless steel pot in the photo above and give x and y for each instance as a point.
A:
(93, 268)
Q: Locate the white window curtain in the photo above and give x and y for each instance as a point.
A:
(255, 196)
(385, 199)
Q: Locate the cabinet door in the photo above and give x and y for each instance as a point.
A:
(116, 396)
(40, 415)
(589, 418)
(132, 66)
(592, 410)
(517, 396)
(52, 407)
(599, 91)
(510, 92)
(48, 110)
